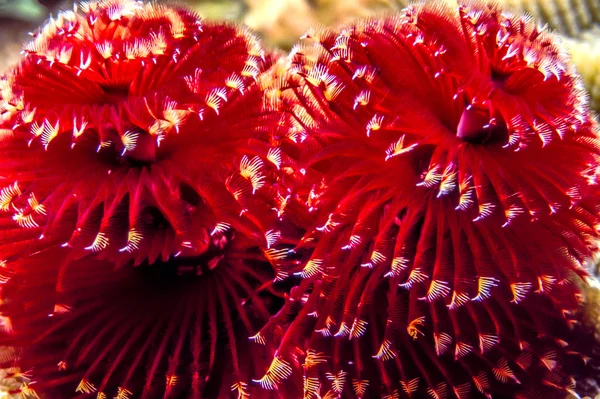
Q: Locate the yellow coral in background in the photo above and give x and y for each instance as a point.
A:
(14, 384)
(585, 52)
(281, 22)
(570, 17)
(579, 21)
(591, 318)
(592, 313)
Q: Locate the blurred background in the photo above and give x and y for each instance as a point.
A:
(279, 22)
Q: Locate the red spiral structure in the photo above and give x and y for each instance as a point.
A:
(138, 210)
(450, 167)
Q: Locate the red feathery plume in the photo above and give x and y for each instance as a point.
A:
(135, 135)
(450, 159)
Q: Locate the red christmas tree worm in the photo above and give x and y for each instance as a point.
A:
(450, 165)
(136, 135)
